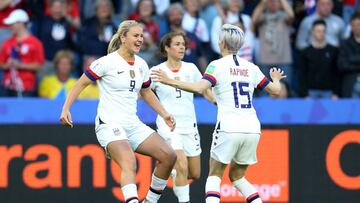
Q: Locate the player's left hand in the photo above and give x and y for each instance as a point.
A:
(170, 121)
(159, 76)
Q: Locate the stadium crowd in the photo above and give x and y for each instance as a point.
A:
(46, 44)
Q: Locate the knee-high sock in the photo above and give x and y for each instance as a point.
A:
(182, 193)
(212, 189)
(156, 188)
(247, 190)
(130, 193)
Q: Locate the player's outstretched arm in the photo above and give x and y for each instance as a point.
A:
(198, 87)
(65, 116)
(209, 95)
(149, 97)
(274, 87)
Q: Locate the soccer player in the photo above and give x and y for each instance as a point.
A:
(121, 75)
(237, 130)
(185, 139)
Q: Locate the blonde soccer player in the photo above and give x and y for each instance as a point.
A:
(121, 75)
(237, 131)
(185, 139)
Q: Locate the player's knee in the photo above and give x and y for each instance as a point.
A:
(169, 158)
(234, 175)
(194, 175)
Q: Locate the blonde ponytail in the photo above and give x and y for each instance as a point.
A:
(123, 29)
(114, 43)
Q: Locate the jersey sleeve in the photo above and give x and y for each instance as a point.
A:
(261, 81)
(210, 74)
(196, 73)
(152, 84)
(95, 70)
(146, 76)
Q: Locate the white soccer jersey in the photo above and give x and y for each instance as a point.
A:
(119, 83)
(177, 102)
(234, 80)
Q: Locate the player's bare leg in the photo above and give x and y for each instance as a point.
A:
(157, 148)
(213, 181)
(181, 184)
(236, 175)
(121, 152)
(194, 166)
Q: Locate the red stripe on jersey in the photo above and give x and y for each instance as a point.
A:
(212, 79)
(92, 73)
(146, 84)
(263, 83)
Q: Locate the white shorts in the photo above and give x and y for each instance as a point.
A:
(136, 134)
(189, 143)
(239, 147)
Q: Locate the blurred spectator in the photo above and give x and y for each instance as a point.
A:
(71, 12)
(54, 33)
(96, 32)
(122, 9)
(317, 66)
(349, 7)
(58, 85)
(6, 7)
(209, 10)
(195, 52)
(272, 19)
(21, 56)
(192, 22)
(92, 90)
(233, 15)
(160, 6)
(335, 25)
(144, 13)
(349, 60)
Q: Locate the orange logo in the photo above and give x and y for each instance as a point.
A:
(74, 156)
(270, 175)
(333, 165)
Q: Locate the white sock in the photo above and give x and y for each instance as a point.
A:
(247, 190)
(212, 189)
(130, 193)
(182, 193)
(156, 188)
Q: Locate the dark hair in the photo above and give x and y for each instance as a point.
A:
(318, 22)
(355, 16)
(166, 42)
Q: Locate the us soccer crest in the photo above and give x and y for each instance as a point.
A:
(117, 131)
(132, 73)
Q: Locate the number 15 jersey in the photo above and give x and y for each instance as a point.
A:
(234, 80)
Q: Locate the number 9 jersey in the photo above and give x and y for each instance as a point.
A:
(233, 80)
(119, 82)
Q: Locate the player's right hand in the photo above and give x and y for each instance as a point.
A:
(277, 74)
(65, 118)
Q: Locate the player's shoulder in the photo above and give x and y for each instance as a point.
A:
(159, 66)
(188, 65)
(140, 61)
